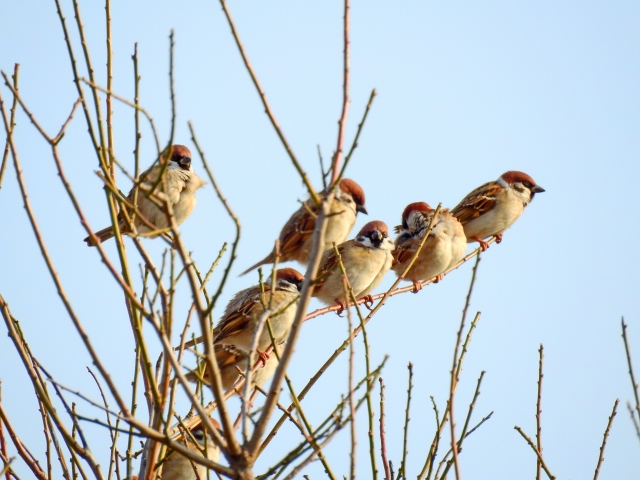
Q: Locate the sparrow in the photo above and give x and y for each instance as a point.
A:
(444, 247)
(366, 259)
(296, 239)
(233, 335)
(180, 185)
(492, 208)
(178, 467)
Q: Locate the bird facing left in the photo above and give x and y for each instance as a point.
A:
(179, 190)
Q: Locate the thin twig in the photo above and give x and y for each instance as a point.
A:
(402, 473)
(12, 125)
(342, 123)
(539, 455)
(229, 210)
(604, 439)
(354, 145)
(383, 440)
(634, 384)
(455, 371)
(267, 107)
(539, 411)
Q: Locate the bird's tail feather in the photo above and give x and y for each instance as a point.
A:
(104, 234)
(268, 259)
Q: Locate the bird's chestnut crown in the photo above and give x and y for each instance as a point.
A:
(349, 186)
(180, 155)
(290, 275)
(513, 178)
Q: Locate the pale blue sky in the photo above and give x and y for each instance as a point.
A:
(466, 91)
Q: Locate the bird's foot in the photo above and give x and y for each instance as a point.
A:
(498, 238)
(262, 357)
(417, 286)
(483, 245)
(343, 307)
(368, 301)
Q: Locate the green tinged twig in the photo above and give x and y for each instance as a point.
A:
(455, 370)
(12, 125)
(634, 384)
(539, 412)
(604, 439)
(402, 473)
(539, 455)
(383, 439)
(230, 212)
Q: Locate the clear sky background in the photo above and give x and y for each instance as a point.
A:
(466, 91)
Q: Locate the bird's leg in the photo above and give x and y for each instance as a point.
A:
(483, 245)
(342, 308)
(262, 357)
(368, 301)
(498, 237)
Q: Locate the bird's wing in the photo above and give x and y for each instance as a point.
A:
(477, 203)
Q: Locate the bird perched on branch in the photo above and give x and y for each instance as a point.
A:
(178, 467)
(492, 208)
(444, 247)
(234, 333)
(366, 259)
(296, 237)
(179, 190)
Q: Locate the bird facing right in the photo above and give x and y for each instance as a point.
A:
(444, 247)
(234, 333)
(493, 207)
(366, 259)
(296, 237)
(180, 185)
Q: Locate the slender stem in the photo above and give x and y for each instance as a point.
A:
(539, 455)
(357, 137)
(229, 210)
(12, 124)
(539, 412)
(267, 107)
(634, 384)
(402, 471)
(110, 151)
(352, 407)
(383, 440)
(455, 371)
(342, 123)
(604, 439)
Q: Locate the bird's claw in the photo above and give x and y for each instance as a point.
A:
(368, 301)
(498, 238)
(262, 357)
(483, 245)
(342, 308)
(417, 286)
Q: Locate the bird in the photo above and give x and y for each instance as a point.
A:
(296, 237)
(493, 207)
(178, 467)
(366, 259)
(233, 335)
(180, 185)
(444, 247)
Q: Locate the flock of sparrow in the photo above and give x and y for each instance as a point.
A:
(485, 212)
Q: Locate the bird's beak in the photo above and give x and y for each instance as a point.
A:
(537, 189)
(376, 236)
(361, 209)
(185, 163)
